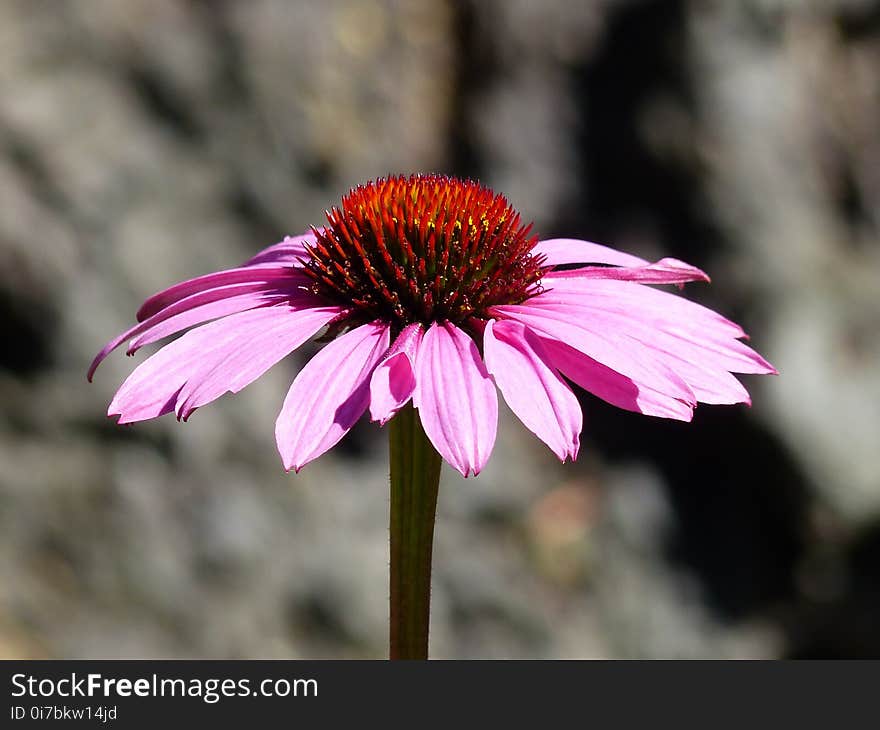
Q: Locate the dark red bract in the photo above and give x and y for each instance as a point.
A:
(425, 248)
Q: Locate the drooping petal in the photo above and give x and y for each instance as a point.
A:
(170, 325)
(605, 345)
(611, 386)
(210, 360)
(664, 271)
(532, 388)
(700, 345)
(562, 251)
(664, 306)
(265, 346)
(456, 398)
(204, 306)
(289, 251)
(329, 395)
(394, 379)
(703, 364)
(263, 274)
(676, 337)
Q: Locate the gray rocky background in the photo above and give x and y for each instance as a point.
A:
(147, 141)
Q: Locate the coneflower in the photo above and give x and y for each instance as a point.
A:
(433, 293)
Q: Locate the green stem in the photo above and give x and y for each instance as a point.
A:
(415, 477)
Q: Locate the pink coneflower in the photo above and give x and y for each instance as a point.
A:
(433, 291)
(433, 294)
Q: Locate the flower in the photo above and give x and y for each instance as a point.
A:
(433, 291)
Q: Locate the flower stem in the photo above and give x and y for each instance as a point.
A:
(415, 477)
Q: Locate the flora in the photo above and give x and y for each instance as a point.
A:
(433, 296)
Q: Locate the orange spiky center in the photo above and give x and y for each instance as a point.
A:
(425, 248)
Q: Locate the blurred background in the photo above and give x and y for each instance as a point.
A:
(148, 141)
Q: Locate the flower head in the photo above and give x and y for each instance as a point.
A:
(433, 291)
(421, 250)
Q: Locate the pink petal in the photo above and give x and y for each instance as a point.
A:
(265, 274)
(201, 307)
(394, 379)
(613, 387)
(329, 395)
(696, 342)
(664, 306)
(247, 359)
(456, 398)
(665, 271)
(534, 391)
(289, 251)
(224, 355)
(561, 251)
(702, 363)
(170, 325)
(605, 345)
(677, 336)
